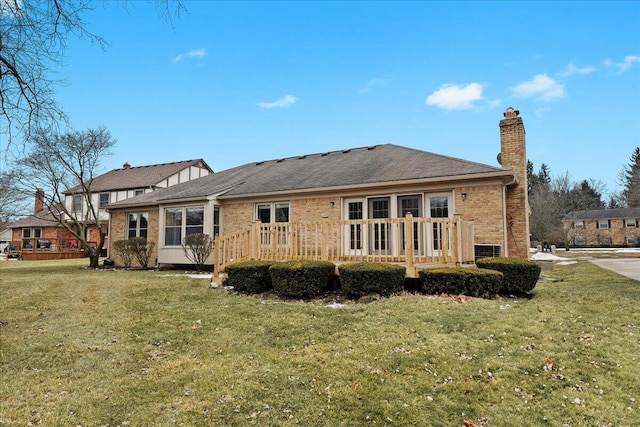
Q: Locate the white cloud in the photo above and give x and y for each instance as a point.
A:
(541, 86)
(572, 69)
(195, 53)
(368, 86)
(456, 97)
(623, 66)
(280, 103)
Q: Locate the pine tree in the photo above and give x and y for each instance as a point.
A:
(630, 178)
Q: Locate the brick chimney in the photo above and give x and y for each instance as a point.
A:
(126, 166)
(513, 155)
(39, 205)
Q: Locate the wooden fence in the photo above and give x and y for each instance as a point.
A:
(409, 241)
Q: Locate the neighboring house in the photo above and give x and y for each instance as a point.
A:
(127, 182)
(603, 227)
(40, 235)
(352, 202)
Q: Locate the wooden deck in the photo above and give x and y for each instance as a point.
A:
(38, 249)
(413, 242)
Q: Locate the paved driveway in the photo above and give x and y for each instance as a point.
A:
(629, 267)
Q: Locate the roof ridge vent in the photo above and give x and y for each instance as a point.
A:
(372, 147)
(346, 151)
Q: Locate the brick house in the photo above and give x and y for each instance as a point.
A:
(365, 192)
(40, 235)
(603, 227)
(53, 241)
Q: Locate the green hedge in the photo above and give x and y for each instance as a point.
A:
(249, 276)
(364, 278)
(474, 282)
(520, 276)
(301, 279)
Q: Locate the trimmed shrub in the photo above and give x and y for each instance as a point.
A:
(249, 276)
(474, 282)
(520, 276)
(301, 279)
(364, 278)
(197, 247)
(142, 250)
(122, 249)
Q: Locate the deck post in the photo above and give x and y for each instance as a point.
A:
(254, 240)
(216, 256)
(324, 244)
(408, 244)
(457, 245)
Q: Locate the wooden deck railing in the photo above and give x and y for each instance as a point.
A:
(41, 248)
(410, 241)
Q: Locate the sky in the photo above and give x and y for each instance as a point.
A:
(239, 82)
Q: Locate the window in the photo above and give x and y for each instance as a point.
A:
(355, 230)
(579, 241)
(138, 225)
(630, 223)
(578, 224)
(631, 240)
(104, 199)
(411, 205)
(439, 207)
(216, 221)
(379, 209)
(272, 212)
(179, 222)
(604, 223)
(77, 203)
(31, 233)
(173, 226)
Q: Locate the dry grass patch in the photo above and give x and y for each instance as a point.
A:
(99, 347)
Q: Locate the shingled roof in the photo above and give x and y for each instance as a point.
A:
(140, 176)
(43, 218)
(387, 163)
(618, 213)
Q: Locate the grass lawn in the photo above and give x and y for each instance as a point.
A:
(146, 348)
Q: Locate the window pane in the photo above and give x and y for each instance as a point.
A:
(143, 233)
(37, 232)
(173, 217)
(26, 233)
(144, 220)
(195, 216)
(77, 203)
(439, 207)
(104, 199)
(172, 236)
(132, 233)
(133, 221)
(379, 208)
(282, 212)
(355, 210)
(264, 213)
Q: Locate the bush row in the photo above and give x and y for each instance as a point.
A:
(307, 279)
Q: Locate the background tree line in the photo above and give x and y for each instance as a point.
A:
(551, 198)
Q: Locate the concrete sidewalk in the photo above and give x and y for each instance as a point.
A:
(629, 267)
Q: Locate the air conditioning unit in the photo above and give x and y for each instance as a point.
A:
(487, 251)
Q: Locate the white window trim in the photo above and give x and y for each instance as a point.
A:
(634, 224)
(578, 224)
(163, 211)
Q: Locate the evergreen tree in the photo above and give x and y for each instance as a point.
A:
(630, 178)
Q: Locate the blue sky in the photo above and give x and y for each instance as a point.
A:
(237, 82)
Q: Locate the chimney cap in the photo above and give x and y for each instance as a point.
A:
(511, 113)
(126, 166)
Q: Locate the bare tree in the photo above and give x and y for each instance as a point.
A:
(12, 202)
(33, 42)
(60, 164)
